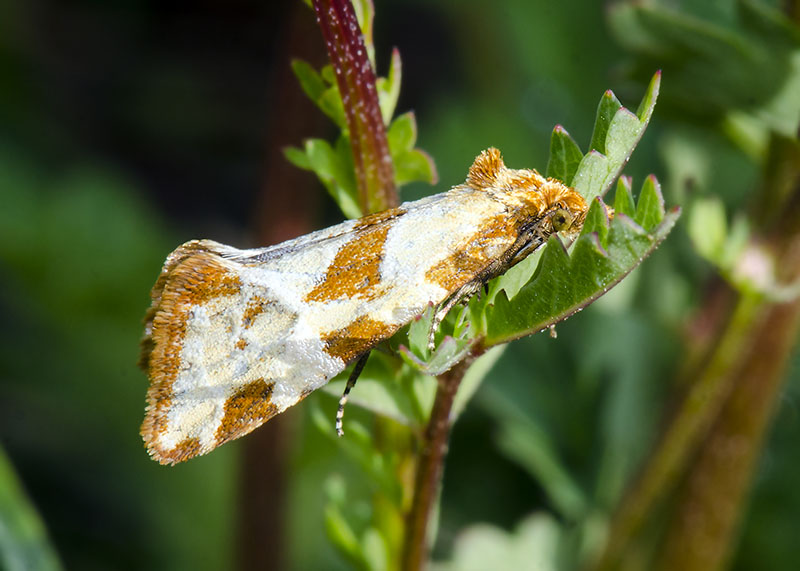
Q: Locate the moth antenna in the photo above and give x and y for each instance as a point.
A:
(351, 382)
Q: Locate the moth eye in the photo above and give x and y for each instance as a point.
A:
(561, 219)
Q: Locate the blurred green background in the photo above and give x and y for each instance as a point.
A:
(127, 128)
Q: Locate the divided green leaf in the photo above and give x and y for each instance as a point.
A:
(447, 353)
(623, 197)
(650, 209)
(410, 164)
(310, 81)
(389, 87)
(551, 285)
(598, 171)
(565, 156)
(402, 133)
(563, 284)
(335, 167)
(606, 111)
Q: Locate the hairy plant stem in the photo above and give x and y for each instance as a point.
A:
(355, 78)
(430, 467)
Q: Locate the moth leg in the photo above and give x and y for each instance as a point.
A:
(351, 382)
(463, 294)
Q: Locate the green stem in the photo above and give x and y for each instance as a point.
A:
(710, 502)
(698, 411)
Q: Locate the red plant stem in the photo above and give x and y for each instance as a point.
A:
(429, 468)
(356, 80)
(284, 209)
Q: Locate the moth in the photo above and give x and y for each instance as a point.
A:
(234, 337)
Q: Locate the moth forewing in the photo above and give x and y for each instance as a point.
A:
(234, 337)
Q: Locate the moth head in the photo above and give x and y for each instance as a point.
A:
(562, 220)
(567, 213)
(546, 204)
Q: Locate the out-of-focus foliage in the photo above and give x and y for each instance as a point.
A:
(79, 250)
(23, 539)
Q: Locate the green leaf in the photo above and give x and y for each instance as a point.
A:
(564, 284)
(591, 175)
(310, 80)
(565, 156)
(447, 353)
(650, 208)
(23, 538)
(402, 133)
(330, 102)
(515, 278)
(606, 110)
(410, 164)
(623, 198)
(321, 88)
(332, 166)
(297, 157)
(346, 193)
(419, 332)
(376, 552)
(533, 545)
(708, 227)
(413, 166)
(623, 135)
(342, 535)
(452, 338)
(597, 218)
(648, 103)
(403, 399)
(522, 440)
(736, 241)
(389, 87)
(328, 74)
(597, 172)
(321, 158)
(550, 285)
